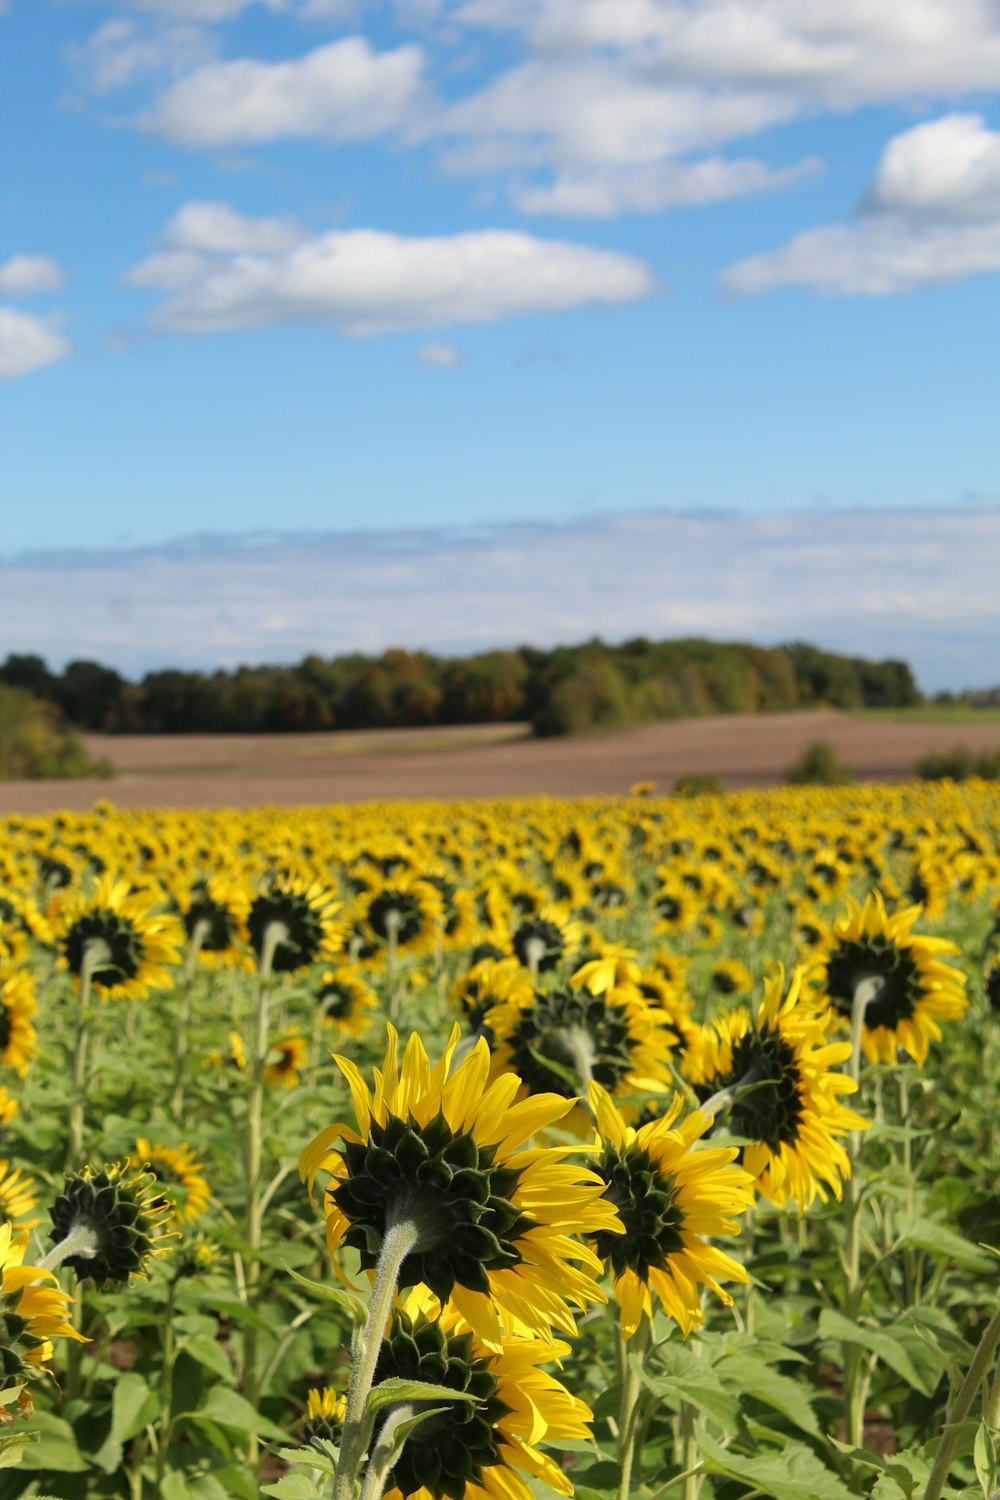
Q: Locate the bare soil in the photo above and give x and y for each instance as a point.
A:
(482, 761)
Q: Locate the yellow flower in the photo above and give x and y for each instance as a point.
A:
(284, 1071)
(912, 988)
(179, 1177)
(495, 1217)
(33, 1311)
(669, 1195)
(129, 943)
(18, 1037)
(18, 1197)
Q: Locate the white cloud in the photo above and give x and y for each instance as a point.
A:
(218, 229)
(343, 91)
(201, 10)
(932, 215)
(363, 281)
(23, 275)
(123, 52)
(603, 193)
(439, 356)
(922, 587)
(27, 343)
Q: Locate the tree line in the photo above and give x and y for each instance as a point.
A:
(562, 690)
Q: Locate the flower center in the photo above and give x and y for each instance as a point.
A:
(123, 950)
(773, 1110)
(546, 1042)
(539, 944)
(399, 911)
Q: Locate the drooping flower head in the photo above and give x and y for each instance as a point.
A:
(34, 1310)
(295, 922)
(669, 1196)
(490, 1450)
(791, 1112)
(129, 943)
(450, 1152)
(215, 912)
(912, 989)
(118, 1219)
(289, 1056)
(346, 1001)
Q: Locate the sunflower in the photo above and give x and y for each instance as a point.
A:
(793, 1116)
(346, 1001)
(668, 1196)
(215, 913)
(18, 1197)
(912, 988)
(565, 1037)
(8, 1109)
(179, 1176)
(543, 941)
(284, 1071)
(674, 908)
(730, 977)
(18, 1037)
(325, 1410)
(449, 1151)
(128, 945)
(489, 983)
(109, 1224)
(486, 1452)
(234, 1060)
(405, 913)
(293, 922)
(33, 1311)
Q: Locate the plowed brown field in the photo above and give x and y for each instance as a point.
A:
(483, 761)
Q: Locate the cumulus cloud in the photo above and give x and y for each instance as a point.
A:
(363, 281)
(24, 275)
(931, 215)
(439, 356)
(917, 584)
(343, 91)
(27, 343)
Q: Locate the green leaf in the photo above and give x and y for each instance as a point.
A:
(604, 1475)
(229, 1409)
(133, 1405)
(793, 1474)
(293, 1487)
(209, 1353)
(56, 1449)
(833, 1325)
(682, 1376)
(753, 1378)
(347, 1301)
(389, 1392)
(984, 1456)
(12, 1447)
(926, 1235)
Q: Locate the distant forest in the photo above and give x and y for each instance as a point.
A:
(565, 690)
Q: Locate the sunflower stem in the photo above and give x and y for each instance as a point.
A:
(94, 954)
(631, 1402)
(182, 1015)
(81, 1240)
(166, 1384)
(392, 922)
(855, 1389)
(399, 1239)
(958, 1410)
(386, 1452)
(273, 936)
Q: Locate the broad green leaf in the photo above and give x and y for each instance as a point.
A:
(754, 1378)
(389, 1392)
(229, 1409)
(292, 1487)
(793, 1474)
(833, 1325)
(12, 1447)
(210, 1354)
(926, 1235)
(682, 1376)
(56, 1449)
(133, 1404)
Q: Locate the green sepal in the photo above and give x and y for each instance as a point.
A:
(390, 1392)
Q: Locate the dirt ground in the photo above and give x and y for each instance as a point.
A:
(483, 761)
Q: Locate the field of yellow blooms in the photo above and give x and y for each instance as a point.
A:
(634, 1147)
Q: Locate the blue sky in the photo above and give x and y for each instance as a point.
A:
(315, 265)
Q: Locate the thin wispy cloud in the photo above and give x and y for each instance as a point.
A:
(918, 585)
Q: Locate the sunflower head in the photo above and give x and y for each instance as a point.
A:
(121, 939)
(668, 1195)
(291, 1054)
(910, 988)
(18, 1037)
(346, 1001)
(293, 922)
(179, 1177)
(447, 1152)
(120, 1216)
(325, 1410)
(18, 1198)
(545, 939)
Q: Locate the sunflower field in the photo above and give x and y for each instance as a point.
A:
(623, 1147)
